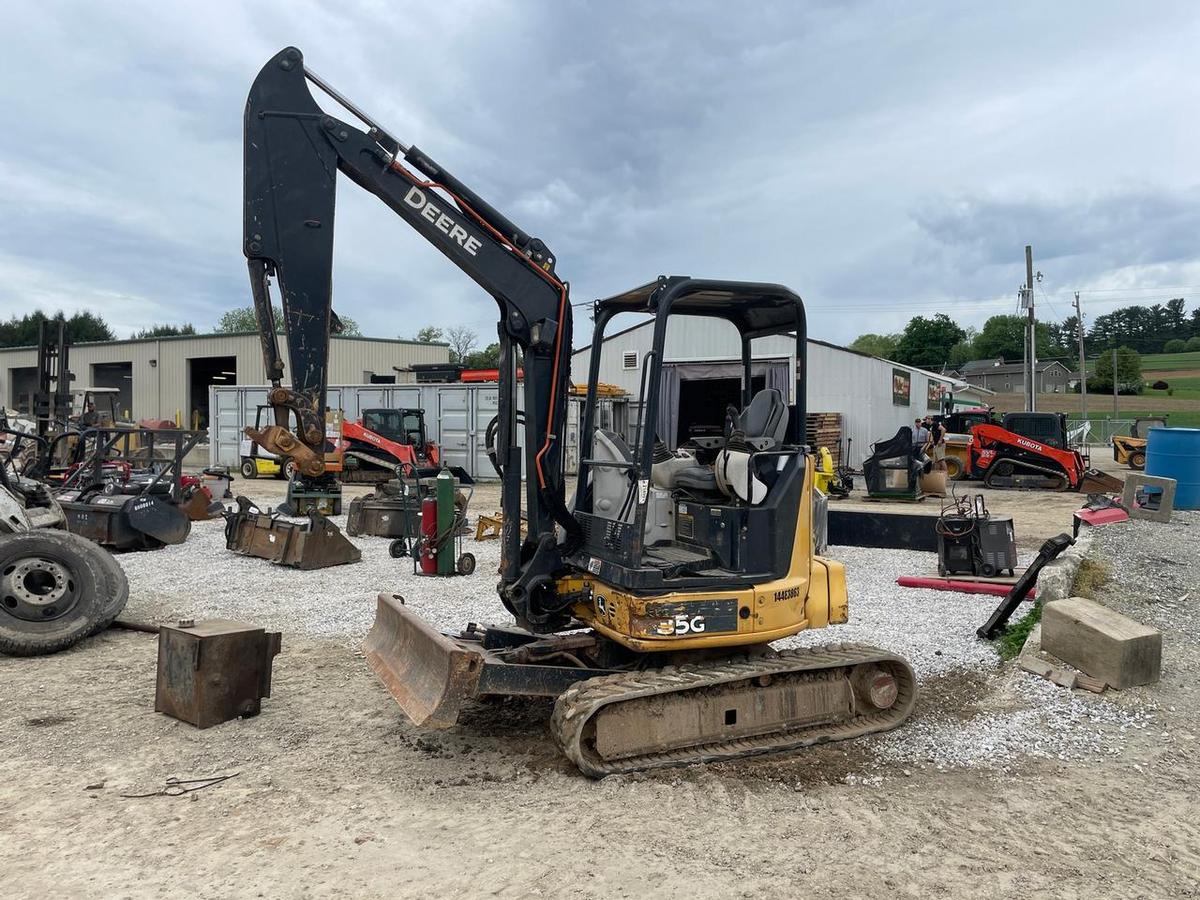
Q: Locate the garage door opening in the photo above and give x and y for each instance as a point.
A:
(22, 384)
(117, 376)
(703, 402)
(203, 372)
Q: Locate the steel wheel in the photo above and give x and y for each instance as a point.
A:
(55, 590)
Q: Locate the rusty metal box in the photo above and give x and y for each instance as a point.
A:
(213, 670)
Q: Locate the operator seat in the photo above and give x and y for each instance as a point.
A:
(760, 426)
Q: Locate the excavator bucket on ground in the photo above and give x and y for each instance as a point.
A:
(428, 674)
(316, 544)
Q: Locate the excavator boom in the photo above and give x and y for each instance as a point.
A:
(293, 153)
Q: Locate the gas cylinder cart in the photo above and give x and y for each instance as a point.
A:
(436, 541)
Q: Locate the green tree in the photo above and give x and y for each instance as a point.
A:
(164, 331)
(1129, 372)
(430, 334)
(961, 353)
(488, 358)
(927, 342)
(1004, 337)
(1193, 344)
(346, 326)
(881, 345)
(1175, 345)
(241, 320)
(81, 327)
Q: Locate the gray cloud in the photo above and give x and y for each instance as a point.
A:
(881, 161)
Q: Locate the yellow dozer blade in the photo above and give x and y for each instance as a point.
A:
(429, 674)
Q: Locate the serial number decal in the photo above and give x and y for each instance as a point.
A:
(787, 594)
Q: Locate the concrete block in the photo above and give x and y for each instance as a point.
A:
(1102, 643)
(1158, 501)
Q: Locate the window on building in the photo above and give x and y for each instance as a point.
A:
(629, 360)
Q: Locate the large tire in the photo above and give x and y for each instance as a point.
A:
(1137, 460)
(954, 468)
(53, 592)
(249, 468)
(118, 588)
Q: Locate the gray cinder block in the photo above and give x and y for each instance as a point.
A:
(1166, 499)
(1102, 643)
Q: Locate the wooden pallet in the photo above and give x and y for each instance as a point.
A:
(824, 429)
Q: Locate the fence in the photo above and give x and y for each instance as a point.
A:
(1099, 431)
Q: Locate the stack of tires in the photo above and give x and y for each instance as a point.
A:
(56, 589)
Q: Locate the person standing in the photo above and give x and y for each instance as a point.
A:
(920, 435)
(937, 438)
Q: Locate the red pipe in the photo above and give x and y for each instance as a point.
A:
(475, 375)
(963, 587)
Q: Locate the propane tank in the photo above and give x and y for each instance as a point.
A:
(429, 530)
(445, 520)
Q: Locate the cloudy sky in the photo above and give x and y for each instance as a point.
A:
(882, 159)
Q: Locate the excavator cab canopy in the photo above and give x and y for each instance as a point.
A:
(723, 503)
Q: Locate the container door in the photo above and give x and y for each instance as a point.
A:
(487, 404)
(225, 432)
(571, 445)
(454, 426)
(374, 397)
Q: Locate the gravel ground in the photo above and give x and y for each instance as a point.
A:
(973, 713)
(1155, 574)
(338, 795)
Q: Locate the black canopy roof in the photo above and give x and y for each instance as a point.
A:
(755, 309)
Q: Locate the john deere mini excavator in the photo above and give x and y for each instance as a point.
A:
(647, 605)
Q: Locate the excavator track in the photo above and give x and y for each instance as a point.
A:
(681, 715)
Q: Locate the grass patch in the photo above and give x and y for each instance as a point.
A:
(1090, 577)
(1010, 642)
(1165, 362)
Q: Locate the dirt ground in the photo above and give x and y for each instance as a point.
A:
(337, 795)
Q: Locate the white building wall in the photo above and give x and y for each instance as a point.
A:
(160, 366)
(839, 380)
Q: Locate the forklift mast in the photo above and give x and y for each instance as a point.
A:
(52, 400)
(293, 152)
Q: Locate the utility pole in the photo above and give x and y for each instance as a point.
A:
(1082, 364)
(1116, 415)
(1030, 335)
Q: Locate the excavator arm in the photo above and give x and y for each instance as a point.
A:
(293, 152)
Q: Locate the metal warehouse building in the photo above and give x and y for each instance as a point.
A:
(162, 378)
(701, 375)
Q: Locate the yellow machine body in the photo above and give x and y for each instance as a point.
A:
(811, 595)
(1130, 451)
(825, 476)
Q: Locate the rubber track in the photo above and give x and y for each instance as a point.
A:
(374, 460)
(579, 703)
(1061, 482)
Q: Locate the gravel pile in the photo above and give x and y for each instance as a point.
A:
(1155, 573)
(973, 713)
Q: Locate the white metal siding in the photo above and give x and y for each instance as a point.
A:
(456, 417)
(160, 370)
(857, 386)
